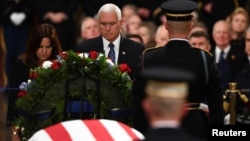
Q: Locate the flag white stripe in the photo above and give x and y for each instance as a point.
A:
(115, 130)
(138, 134)
(40, 135)
(78, 130)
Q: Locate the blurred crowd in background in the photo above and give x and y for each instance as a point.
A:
(217, 22)
(75, 21)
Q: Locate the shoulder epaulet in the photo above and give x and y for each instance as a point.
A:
(209, 53)
(149, 49)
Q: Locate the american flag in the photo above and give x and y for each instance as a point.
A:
(88, 130)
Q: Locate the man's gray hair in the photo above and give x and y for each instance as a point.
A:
(109, 7)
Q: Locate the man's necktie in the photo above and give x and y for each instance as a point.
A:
(221, 59)
(111, 54)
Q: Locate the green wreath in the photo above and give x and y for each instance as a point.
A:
(41, 100)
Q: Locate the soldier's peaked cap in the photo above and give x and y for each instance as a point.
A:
(167, 74)
(179, 10)
(167, 82)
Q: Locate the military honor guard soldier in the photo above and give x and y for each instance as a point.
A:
(179, 53)
(165, 103)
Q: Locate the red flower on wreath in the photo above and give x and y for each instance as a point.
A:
(55, 65)
(124, 68)
(33, 74)
(93, 55)
(64, 55)
(21, 93)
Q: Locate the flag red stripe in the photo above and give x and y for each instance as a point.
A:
(129, 131)
(98, 130)
(58, 133)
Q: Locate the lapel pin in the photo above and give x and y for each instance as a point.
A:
(233, 57)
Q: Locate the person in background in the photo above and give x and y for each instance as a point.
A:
(243, 77)
(133, 23)
(147, 31)
(59, 13)
(230, 60)
(200, 39)
(89, 29)
(179, 53)
(247, 47)
(211, 11)
(146, 8)
(165, 103)
(127, 11)
(161, 36)
(159, 16)
(43, 44)
(90, 8)
(239, 21)
(242, 80)
(135, 37)
(200, 26)
(17, 19)
(118, 48)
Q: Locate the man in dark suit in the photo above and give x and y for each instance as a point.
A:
(165, 103)
(125, 50)
(179, 53)
(230, 59)
(243, 81)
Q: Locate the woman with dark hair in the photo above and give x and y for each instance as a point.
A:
(36, 52)
(43, 44)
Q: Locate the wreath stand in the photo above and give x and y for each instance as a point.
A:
(80, 106)
(83, 106)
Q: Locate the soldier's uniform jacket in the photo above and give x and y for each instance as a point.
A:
(207, 85)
